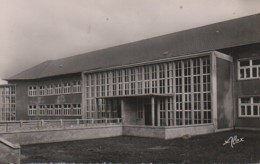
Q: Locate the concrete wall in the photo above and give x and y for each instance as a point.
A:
(244, 87)
(144, 131)
(9, 152)
(176, 132)
(60, 135)
(224, 94)
(166, 132)
(23, 100)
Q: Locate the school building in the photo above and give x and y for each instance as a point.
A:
(203, 80)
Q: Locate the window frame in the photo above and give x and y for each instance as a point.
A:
(251, 104)
(250, 67)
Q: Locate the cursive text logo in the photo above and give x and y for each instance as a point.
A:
(233, 140)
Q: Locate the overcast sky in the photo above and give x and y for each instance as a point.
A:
(32, 31)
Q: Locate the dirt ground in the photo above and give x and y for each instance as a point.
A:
(204, 148)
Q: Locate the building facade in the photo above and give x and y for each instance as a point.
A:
(205, 78)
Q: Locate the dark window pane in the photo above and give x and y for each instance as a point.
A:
(242, 73)
(254, 72)
(255, 111)
(248, 109)
(248, 72)
(244, 63)
(243, 111)
(256, 99)
(245, 100)
(256, 62)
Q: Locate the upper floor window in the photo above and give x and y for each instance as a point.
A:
(249, 106)
(58, 89)
(66, 88)
(76, 88)
(49, 89)
(249, 69)
(32, 91)
(42, 90)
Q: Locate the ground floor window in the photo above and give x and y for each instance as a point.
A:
(32, 110)
(249, 106)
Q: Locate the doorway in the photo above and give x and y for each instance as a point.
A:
(148, 114)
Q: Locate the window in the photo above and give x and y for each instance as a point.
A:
(58, 110)
(32, 91)
(249, 106)
(76, 110)
(249, 69)
(49, 89)
(49, 110)
(42, 90)
(66, 88)
(67, 110)
(32, 110)
(58, 89)
(41, 109)
(76, 88)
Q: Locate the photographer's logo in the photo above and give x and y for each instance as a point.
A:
(233, 140)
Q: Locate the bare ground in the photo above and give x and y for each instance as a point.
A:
(204, 148)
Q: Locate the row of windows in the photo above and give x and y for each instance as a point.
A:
(249, 107)
(249, 69)
(55, 89)
(7, 90)
(55, 110)
(157, 78)
(193, 92)
(171, 116)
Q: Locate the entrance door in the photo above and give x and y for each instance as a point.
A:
(148, 114)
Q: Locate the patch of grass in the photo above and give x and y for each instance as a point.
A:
(204, 148)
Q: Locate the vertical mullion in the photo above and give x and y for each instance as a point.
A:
(150, 78)
(130, 81)
(136, 80)
(239, 107)
(165, 78)
(252, 106)
(153, 111)
(201, 91)
(158, 78)
(95, 94)
(158, 112)
(174, 91)
(117, 82)
(110, 80)
(123, 81)
(143, 80)
(192, 91)
(105, 83)
(250, 68)
(166, 111)
(83, 93)
(183, 93)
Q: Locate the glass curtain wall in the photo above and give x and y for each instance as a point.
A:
(186, 82)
